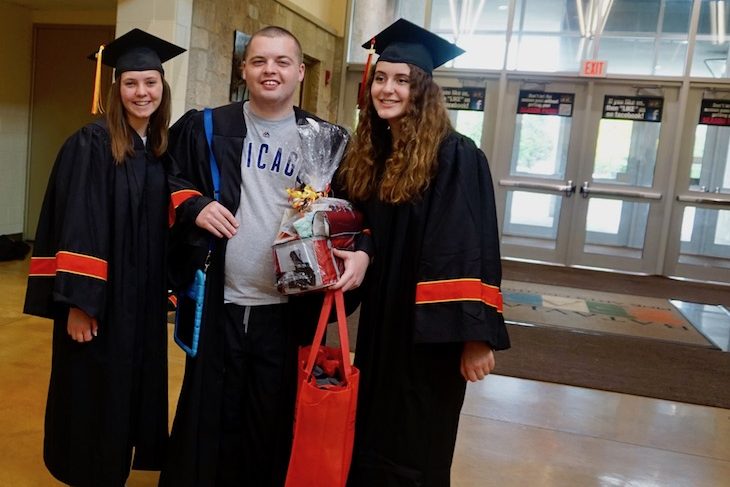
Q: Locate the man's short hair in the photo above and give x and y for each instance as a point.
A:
(274, 31)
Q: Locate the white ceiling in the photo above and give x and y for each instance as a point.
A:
(57, 5)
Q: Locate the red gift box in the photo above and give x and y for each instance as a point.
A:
(305, 264)
(308, 264)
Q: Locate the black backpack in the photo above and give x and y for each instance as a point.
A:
(11, 249)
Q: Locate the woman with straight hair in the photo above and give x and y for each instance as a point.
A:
(431, 315)
(98, 271)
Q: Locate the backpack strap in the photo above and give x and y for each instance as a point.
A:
(214, 172)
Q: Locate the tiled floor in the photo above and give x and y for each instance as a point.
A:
(513, 432)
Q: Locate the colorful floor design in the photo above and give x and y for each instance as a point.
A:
(598, 312)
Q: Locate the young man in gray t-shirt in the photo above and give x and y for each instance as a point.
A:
(233, 424)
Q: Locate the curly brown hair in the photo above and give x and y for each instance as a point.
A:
(397, 170)
(120, 132)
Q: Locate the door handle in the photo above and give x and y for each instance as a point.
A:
(703, 201)
(586, 190)
(568, 189)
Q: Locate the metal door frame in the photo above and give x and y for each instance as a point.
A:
(684, 197)
(504, 181)
(589, 96)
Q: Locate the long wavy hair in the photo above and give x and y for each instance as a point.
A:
(121, 133)
(399, 170)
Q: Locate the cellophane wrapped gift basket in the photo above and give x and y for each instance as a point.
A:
(315, 223)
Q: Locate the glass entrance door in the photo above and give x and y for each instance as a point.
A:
(594, 198)
(535, 168)
(699, 243)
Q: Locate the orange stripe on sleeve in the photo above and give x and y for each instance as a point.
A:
(170, 215)
(458, 290)
(84, 265)
(42, 266)
(179, 197)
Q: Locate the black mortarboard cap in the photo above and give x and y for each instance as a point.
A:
(405, 42)
(137, 50)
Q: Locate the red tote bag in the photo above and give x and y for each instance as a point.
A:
(324, 422)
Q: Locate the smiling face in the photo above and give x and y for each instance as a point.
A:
(141, 93)
(272, 70)
(391, 90)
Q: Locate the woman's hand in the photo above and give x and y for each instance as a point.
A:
(356, 263)
(81, 327)
(477, 361)
(216, 218)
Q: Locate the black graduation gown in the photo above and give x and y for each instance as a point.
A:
(195, 436)
(433, 284)
(100, 247)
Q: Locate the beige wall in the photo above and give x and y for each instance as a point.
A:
(61, 100)
(16, 33)
(16, 49)
(211, 47)
(329, 14)
(74, 17)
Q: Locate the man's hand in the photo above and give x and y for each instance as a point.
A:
(477, 361)
(216, 219)
(81, 327)
(356, 263)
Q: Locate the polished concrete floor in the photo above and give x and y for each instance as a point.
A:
(513, 432)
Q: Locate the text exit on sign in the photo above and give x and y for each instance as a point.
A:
(593, 69)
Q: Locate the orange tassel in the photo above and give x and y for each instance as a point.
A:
(361, 96)
(96, 106)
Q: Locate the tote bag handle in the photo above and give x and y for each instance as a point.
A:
(341, 327)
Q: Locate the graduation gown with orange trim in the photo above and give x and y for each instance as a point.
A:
(100, 247)
(196, 431)
(433, 284)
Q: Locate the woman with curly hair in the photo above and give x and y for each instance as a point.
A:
(431, 313)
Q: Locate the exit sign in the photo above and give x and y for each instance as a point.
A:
(593, 69)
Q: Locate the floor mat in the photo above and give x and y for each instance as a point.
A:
(598, 312)
(618, 363)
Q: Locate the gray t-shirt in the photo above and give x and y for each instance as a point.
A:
(269, 165)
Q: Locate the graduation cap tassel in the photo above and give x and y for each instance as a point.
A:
(96, 106)
(361, 96)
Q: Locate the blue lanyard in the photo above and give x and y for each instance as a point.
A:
(214, 173)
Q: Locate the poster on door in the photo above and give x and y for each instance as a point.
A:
(464, 98)
(545, 103)
(637, 108)
(715, 112)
